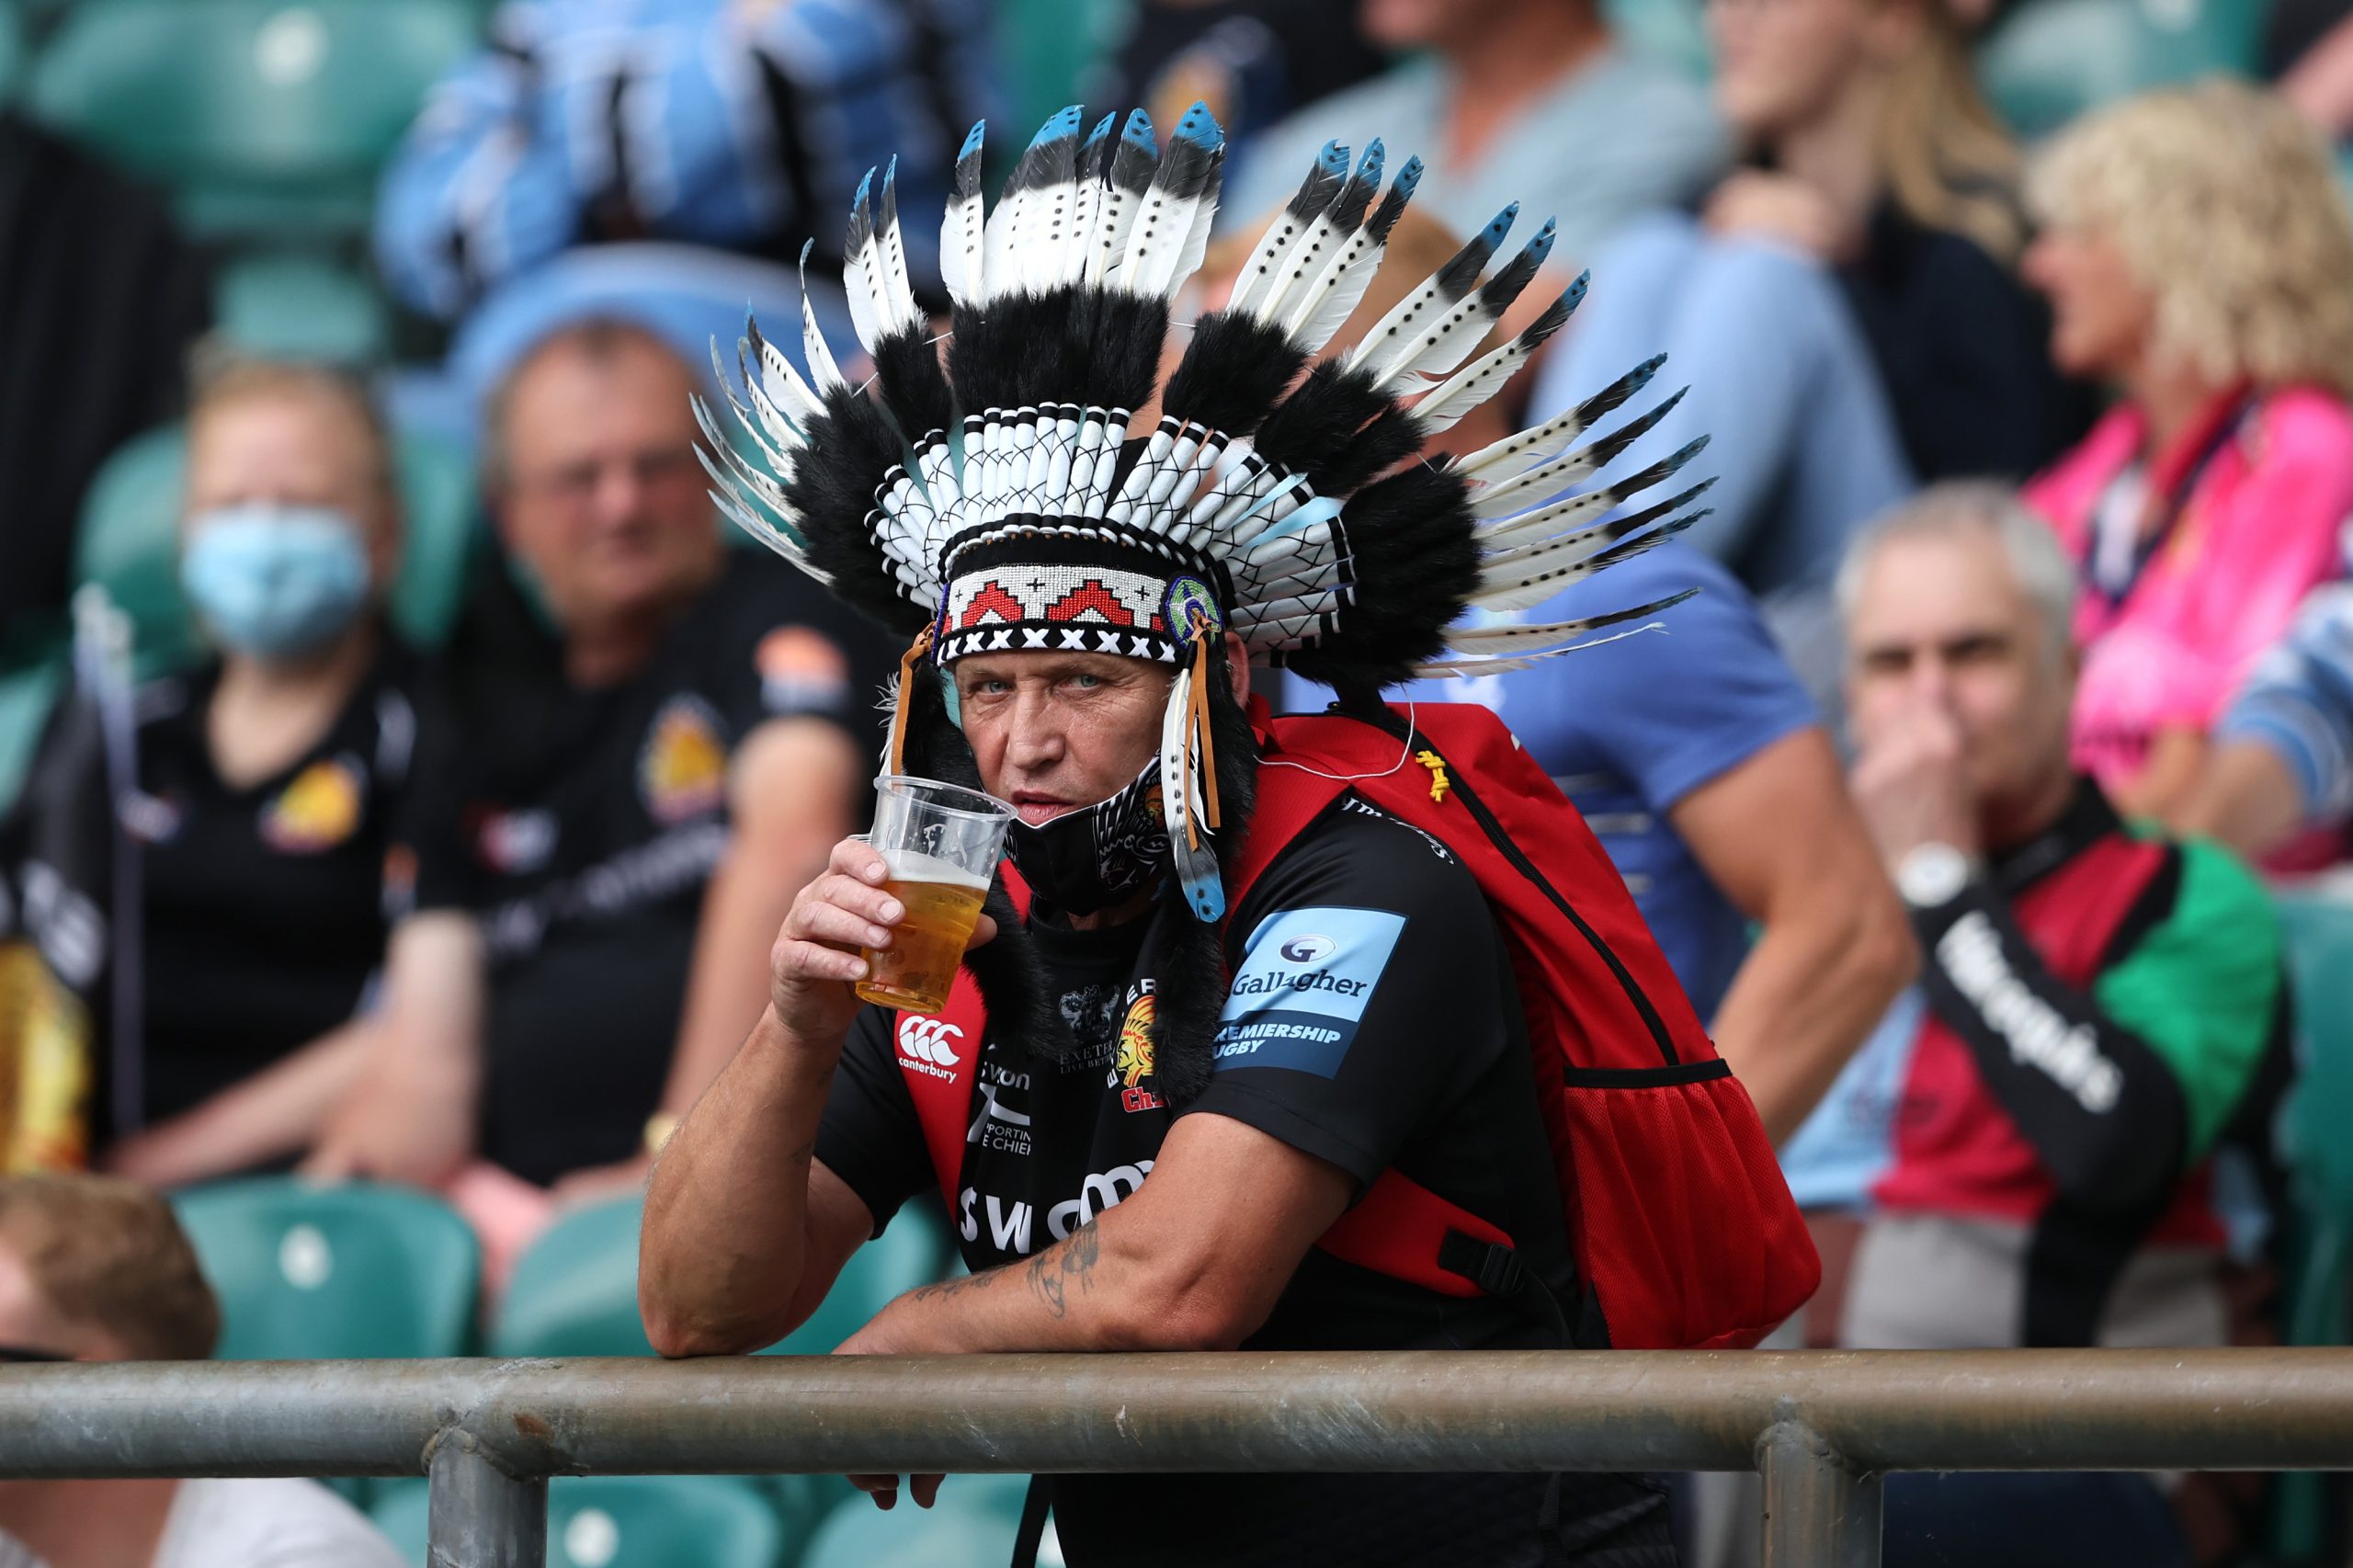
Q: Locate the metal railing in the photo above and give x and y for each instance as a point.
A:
(1821, 1427)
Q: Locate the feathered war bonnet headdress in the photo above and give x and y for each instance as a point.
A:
(1000, 505)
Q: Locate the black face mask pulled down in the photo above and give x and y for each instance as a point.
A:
(1085, 861)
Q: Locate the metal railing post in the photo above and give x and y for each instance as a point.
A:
(480, 1516)
(1820, 1512)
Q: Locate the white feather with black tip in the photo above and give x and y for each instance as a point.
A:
(1500, 459)
(1444, 404)
(1447, 339)
(963, 228)
(1162, 248)
(822, 369)
(1524, 490)
(1256, 287)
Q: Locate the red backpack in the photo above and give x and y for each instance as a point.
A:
(1684, 1233)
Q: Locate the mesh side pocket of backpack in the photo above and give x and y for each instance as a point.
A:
(1678, 1230)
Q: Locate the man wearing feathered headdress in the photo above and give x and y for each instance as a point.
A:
(1227, 992)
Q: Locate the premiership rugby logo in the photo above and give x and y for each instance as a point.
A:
(928, 1046)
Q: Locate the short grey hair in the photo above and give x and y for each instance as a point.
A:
(2038, 564)
(599, 338)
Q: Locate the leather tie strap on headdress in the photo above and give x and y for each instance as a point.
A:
(998, 503)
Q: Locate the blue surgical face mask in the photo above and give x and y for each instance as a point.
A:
(274, 582)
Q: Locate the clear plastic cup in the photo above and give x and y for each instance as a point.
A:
(941, 842)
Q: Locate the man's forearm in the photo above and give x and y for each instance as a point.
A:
(1806, 996)
(1085, 1292)
(726, 1212)
(2248, 796)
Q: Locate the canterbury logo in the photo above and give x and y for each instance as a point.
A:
(930, 1040)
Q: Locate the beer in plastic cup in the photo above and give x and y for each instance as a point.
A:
(941, 842)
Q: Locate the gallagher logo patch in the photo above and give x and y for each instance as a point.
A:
(1306, 978)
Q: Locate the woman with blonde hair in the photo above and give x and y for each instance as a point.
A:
(1843, 303)
(2198, 258)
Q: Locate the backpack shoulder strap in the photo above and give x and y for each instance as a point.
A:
(1293, 789)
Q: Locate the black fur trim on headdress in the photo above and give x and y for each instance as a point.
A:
(907, 374)
(1232, 372)
(1014, 355)
(1406, 530)
(1121, 351)
(836, 494)
(1339, 430)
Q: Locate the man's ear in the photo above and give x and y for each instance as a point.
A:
(1237, 667)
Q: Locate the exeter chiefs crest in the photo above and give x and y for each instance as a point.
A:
(1132, 1064)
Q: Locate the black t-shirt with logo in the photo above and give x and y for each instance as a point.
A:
(581, 827)
(264, 907)
(1371, 1022)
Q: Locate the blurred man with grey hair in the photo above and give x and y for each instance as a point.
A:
(2098, 1007)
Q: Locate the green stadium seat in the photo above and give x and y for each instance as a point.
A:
(288, 305)
(265, 116)
(971, 1525)
(2320, 1161)
(28, 692)
(2051, 60)
(648, 1521)
(326, 1272)
(12, 52)
(2320, 1158)
(129, 541)
(575, 1291)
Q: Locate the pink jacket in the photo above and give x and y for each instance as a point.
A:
(2261, 529)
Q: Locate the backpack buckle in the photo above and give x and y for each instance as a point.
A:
(1494, 1267)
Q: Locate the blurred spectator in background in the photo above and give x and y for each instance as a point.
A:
(270, 782)
(1676, 749)
(742, 125)
(97, 290)
(1253, 62)
(650, 744)
(1843, 306)
(1511, 100)
(2283, 760)
(2308, 52)
(2098, 1009)
(2198, 257)
(96, 1269)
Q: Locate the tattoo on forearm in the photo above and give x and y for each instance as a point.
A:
(955, 1287)
(1054, 1271)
